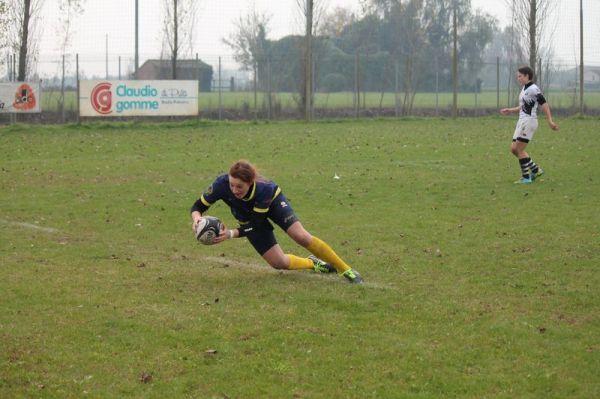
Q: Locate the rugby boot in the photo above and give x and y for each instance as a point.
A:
(321, 266)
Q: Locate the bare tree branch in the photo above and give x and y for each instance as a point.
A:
(179, 24)
(533, 23)
(23, 33)
(248, 40)
(3, 23)
(68, 9)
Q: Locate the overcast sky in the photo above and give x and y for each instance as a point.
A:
(114, 19)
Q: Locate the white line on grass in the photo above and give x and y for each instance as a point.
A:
(224, 261)
(30, 226)
(429, 163)
(268, 269)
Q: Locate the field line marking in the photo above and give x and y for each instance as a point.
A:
(30, 226)
(268, 269)
(226, 261)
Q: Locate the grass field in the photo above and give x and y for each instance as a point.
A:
(475, 287)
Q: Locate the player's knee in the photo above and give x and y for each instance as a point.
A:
(300, 235)
(303, 239)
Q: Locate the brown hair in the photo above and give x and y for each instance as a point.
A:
(244, 171)
(526, 70)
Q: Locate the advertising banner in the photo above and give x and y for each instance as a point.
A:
(138, 97)
(20, 97)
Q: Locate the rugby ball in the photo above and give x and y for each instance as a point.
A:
(207, 229)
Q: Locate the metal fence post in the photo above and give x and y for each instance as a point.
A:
(356, 87)
(12, 78)
(581, 70)
(220, 89)
(77, 80)
(498, 82)
(437, 87)
(255, 92)
(396, 85)
(62, 92)
(270, 102)
(198, 76)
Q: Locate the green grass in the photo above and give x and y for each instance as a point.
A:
(475, 287)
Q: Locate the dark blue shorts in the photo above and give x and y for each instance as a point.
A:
(281, 213)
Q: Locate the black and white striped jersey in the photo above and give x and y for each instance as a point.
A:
(530, 99)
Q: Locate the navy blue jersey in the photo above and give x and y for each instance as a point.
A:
(263, 201)
(254, 205)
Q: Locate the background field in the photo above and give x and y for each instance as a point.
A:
(559, 100)
(475, 287)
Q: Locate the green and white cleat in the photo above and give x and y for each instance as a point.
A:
(353, 276)
(321, 266)
(537, 174)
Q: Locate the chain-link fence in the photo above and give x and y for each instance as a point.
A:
(356, 92)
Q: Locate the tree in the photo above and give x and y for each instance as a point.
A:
(473, 44)
(3, 28)
(252, 50)
(178, 30)
(287, 69)
(438, 24)
(533, 24)
(406, 45)
(334, 22)
(24, 36)
(68, 9)
(404, 39)
(250, 44)
(3, 23)
(22, 33)
(307, 9)
(361, 39)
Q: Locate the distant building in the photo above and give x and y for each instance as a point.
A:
(591, 77)
(186, 70)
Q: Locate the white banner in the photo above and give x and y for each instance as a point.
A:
(138, 97)
(20, 97)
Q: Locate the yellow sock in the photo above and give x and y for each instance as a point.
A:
(323, 251)
(297, 262)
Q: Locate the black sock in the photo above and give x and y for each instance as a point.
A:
(534, 168)
(524, 163)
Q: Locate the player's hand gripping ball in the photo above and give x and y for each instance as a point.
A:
(207, 229)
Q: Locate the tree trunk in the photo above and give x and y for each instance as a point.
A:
(308, 62)
(532, 34)
(454, 65)
(24, 39)
(175, 44)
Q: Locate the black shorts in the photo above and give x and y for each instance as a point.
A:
(281, 213)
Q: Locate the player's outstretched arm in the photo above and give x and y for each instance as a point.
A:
(551, 123)
(506, 111)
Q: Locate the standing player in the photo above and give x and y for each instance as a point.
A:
(253, 200)
(530, 98)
